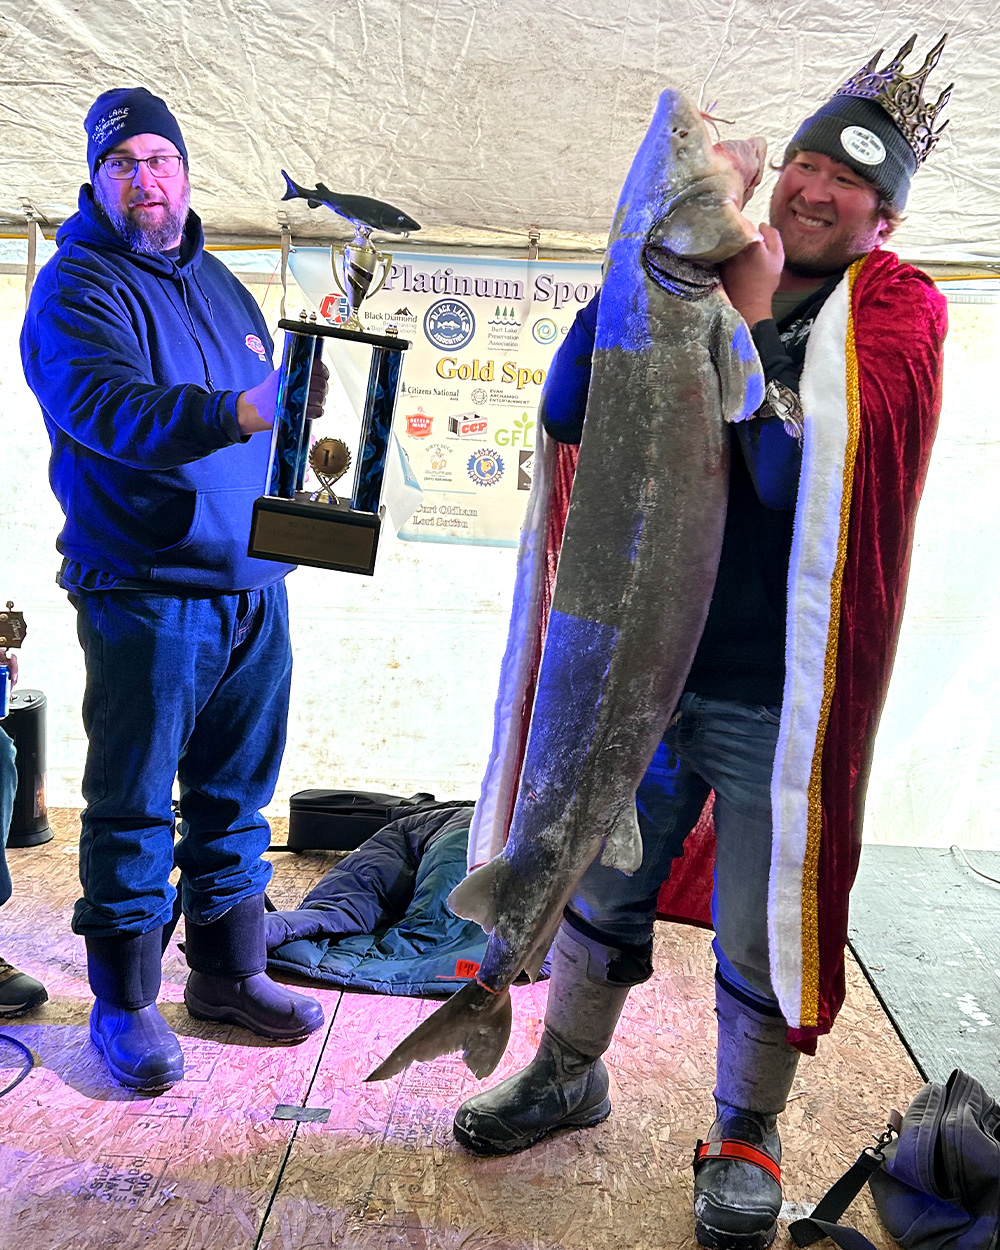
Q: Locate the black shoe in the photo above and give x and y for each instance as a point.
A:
(559, 1089)
(737, 1186)
(138, 1046)
(19, 993)
(255, 1002)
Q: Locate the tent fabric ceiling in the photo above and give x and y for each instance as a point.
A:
(481, 119)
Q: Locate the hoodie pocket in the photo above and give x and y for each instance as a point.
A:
(215, 543)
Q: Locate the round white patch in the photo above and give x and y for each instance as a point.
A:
(863, 145)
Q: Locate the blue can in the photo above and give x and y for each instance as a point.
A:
(4, 690)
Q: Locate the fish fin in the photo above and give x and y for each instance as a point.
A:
(314, 203)
(534, 959)
(478, 1026)
(293, 190)
(741, 381)
(623, 845)
(474, 898)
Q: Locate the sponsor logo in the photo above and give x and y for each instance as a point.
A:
(466, 425)
(449, 324)
(479, 395)
(485, 467)
(335, 308)
(520, 434)
(525, 469)
(437, 464)
(863, 145)
(504, 316)
(418, 424)
(545, 331)
(253, 342)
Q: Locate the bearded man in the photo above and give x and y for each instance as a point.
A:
(782, 701)
(152, 367)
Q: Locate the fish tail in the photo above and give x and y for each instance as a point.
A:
(475, 1021)
(293, 189)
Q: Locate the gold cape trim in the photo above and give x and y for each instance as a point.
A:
(809, 1016)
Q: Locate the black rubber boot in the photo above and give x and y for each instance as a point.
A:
(228, 983)
(138, 1045)
(737, 1187)
(566, 1084)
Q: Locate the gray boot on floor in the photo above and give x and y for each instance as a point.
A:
(737, 1188)
(566, 1084)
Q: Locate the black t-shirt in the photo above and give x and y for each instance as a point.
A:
(741, 655)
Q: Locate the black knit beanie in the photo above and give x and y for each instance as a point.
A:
(123, 113)
(862, 135)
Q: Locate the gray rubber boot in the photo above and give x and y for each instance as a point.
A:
(566, 1084)
(736, 1202)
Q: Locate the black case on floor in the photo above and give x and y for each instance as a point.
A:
(340, 820)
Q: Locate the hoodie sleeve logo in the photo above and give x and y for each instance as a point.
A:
(253, 342)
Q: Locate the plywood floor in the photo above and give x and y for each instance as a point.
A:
(86, 1165)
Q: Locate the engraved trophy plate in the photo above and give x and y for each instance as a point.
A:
(319, 528)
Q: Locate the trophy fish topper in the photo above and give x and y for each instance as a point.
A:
(362, 268)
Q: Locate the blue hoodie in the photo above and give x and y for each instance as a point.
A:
(137, 362)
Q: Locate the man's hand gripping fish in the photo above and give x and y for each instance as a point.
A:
(673, 362)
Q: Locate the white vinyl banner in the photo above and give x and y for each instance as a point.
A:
(484, 332)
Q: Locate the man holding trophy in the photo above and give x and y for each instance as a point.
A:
(152, 366)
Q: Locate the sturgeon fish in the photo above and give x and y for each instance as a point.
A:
(673, 362)
(359, 210)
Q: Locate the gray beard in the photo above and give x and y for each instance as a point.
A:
(154, 239)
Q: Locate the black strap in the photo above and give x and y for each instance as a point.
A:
(823, 1222)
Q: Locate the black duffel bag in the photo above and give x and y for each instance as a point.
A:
(340, 820)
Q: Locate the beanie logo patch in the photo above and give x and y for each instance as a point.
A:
(864, 145)
(107, 126)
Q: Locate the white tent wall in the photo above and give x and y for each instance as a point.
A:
(395, 676)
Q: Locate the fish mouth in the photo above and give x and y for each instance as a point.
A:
(686, 279)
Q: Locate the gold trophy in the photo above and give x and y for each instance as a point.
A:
(289, 523)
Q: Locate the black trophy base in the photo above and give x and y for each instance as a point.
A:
(324, 535)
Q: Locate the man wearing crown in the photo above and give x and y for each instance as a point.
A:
(782, 702)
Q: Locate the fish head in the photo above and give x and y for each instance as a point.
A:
(701, 186)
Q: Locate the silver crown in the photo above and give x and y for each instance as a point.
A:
(901, 95)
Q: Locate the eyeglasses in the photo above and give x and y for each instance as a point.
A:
(123, 167)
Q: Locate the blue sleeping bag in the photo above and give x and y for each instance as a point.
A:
(378, 919)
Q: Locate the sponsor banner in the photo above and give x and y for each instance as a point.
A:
(484, 333)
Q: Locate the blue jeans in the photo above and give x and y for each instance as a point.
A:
(710, 745)
(195, 688)
(8, 788)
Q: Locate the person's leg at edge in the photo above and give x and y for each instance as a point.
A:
(603, 948)
(19, 993)
(228, 772)
(737, 1181)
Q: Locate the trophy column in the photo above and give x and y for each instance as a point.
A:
(288, 524)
